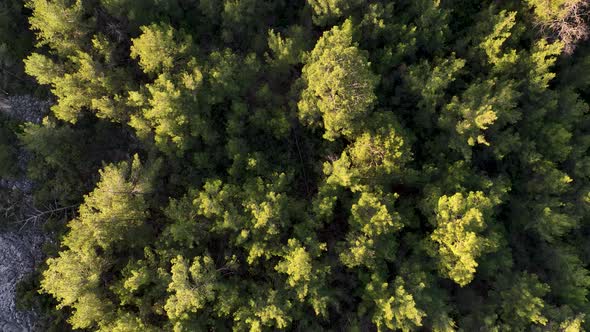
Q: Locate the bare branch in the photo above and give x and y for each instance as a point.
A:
(570, 27)
(38, 215)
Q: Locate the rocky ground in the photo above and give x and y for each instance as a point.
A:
(24, 108)
(20, 252)
(21, 241)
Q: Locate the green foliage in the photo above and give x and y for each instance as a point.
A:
(16, 41)
(325, 11)
(190, 296)
(395, 307)
(481, 106)
(340, 84)
(64, 160)
(550, 10)
(373, 223)
(373, 159)
(305, 277)
(159, 48)
(522, 302)
(459, 221)
(321, 165)
(111, 214)
(88, 84)
(60, 24)
(286, 50)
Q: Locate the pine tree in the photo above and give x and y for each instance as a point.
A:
(340, 84)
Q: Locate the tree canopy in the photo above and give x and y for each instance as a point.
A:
(337, 165)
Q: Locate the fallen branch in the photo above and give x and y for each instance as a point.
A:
(39, 215)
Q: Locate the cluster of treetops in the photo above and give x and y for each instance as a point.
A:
(319, 165)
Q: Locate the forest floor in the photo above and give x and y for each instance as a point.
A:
(20, 242)
(20, 253)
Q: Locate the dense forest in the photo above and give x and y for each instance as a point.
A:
(309, 165)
